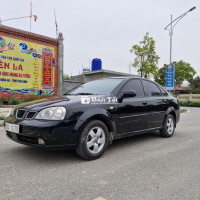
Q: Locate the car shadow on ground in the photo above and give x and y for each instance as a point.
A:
(134, 140)
(42, 155)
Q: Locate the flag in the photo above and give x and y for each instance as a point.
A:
(57, 33)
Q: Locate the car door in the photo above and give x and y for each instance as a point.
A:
(156, 104)
(133, 111)
(165, 99)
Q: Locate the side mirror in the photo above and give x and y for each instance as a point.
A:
(129, 93)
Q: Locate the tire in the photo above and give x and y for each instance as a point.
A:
(93, 140)
(168, 127)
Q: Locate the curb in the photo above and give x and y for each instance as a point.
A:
(187, 110)
(7, 106)
(5, 111)
(1, 123)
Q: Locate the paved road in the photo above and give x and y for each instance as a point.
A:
(141, 167)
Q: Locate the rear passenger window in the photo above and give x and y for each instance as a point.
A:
(136, 85)
(151, 89)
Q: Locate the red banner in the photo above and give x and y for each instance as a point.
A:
(47, 67)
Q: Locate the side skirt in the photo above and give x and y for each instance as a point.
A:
(128, 134)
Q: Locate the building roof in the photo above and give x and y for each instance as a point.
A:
(182, 88)
(18, 32)
(108, 72)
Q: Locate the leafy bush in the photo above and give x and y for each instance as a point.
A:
(2, 117)
(13, 100)
(183, 110)
(190, 104)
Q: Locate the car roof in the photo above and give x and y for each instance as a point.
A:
(126, 77)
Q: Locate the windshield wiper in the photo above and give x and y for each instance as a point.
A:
(81, 93)
(84, 93)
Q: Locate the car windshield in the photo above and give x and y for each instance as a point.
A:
(102, 87)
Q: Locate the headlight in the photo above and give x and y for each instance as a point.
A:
(52, 113)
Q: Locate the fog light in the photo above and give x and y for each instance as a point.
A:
(41, 141)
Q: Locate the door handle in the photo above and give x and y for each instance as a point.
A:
(144, 103)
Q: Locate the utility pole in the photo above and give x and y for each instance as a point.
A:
(129, 67)
(30, 14)
(170, 27)
(171, 35)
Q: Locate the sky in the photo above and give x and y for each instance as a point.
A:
(107, 29)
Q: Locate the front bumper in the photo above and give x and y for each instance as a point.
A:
(55, 134)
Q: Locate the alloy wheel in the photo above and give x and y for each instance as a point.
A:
(170, 126)
(95, 140)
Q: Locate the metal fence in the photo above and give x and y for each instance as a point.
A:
(189, 97)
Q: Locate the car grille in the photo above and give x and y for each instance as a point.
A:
(26, 130)
(30, 115)
(15, 113)
(26, 139)
(22, 138)
(21, 113)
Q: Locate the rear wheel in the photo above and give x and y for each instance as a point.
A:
(168, 127)
(93, 141)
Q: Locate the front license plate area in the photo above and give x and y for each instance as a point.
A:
(12, 128)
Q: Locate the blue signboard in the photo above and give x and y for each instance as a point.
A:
(170, 77)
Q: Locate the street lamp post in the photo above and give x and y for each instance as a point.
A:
(170, 27)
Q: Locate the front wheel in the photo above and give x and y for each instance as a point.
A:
(93, 140)
(168, 127)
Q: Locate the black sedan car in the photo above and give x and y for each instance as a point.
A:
(91, 116)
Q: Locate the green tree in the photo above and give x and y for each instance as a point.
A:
(160, 77)
(195, 85)
(146, 59)
(183, 72)
(66, 77)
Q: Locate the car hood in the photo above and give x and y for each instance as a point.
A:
(51, 101)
